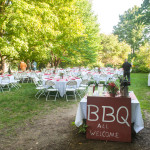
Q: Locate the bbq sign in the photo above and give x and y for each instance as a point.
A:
(109, 118)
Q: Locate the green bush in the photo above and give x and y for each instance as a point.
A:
(143, 69)
(91, 82)
(140, 69)
(109, 65)
(101, 82)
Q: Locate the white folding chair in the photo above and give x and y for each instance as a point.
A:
(24, 77)
(40, 88)
(82, 89)
(113, 78)
(71, 88)
(16, 79)
(32, 76)
(51, 89)
(5, 83)
(103, 77)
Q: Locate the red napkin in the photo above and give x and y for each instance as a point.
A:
(57, 80)
(77, 78)
(9, 75)
(66, 79)
(47, 74)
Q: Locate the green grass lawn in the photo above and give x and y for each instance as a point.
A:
(139, 84)
(19, 106)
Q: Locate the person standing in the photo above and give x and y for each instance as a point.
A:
(28, 65)
(34, 65)
(23, 66)
(126, 69)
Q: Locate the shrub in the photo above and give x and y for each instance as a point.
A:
(91, 82)
(109, 65)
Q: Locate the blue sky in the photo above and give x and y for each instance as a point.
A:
(108, 12)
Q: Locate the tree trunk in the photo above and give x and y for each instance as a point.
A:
(57, 63)
(2, 64)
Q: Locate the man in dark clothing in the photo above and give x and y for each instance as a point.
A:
(126, 67)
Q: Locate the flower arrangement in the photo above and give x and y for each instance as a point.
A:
(112, 88)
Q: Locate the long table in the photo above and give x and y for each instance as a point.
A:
(136, 116)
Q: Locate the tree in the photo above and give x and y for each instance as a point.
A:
(142, 61)
(6, 50)
(79, 39)
(48, 31)
(113, 51)
(144, 15)
(129, 30)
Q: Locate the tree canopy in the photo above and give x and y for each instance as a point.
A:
(49, 31)
(113, 52)
(62, 32)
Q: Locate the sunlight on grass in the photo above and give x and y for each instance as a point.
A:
(139, 84)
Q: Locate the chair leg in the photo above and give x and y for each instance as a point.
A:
(42, 92)
(66, 97)
(47, 96)
(75, 96)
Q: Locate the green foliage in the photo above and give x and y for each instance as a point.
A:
(102, 82)
(144, 13)
(142, 60)
(141, 68)
(91, 82)
(49, 31)
(82, 128)
(113, 52)
(109, 65)
(129, 30)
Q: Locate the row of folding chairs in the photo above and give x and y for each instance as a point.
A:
(6, 84)
(50, 89)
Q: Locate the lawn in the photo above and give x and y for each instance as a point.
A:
(19, 106)
(139, 84)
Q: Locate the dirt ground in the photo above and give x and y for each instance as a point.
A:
(55, 132)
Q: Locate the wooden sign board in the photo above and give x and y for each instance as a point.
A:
(109, 118)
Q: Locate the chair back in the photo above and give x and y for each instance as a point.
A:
(49, 83)
(85, 81)
(5, 80)
(35, 82)
(71, 84)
